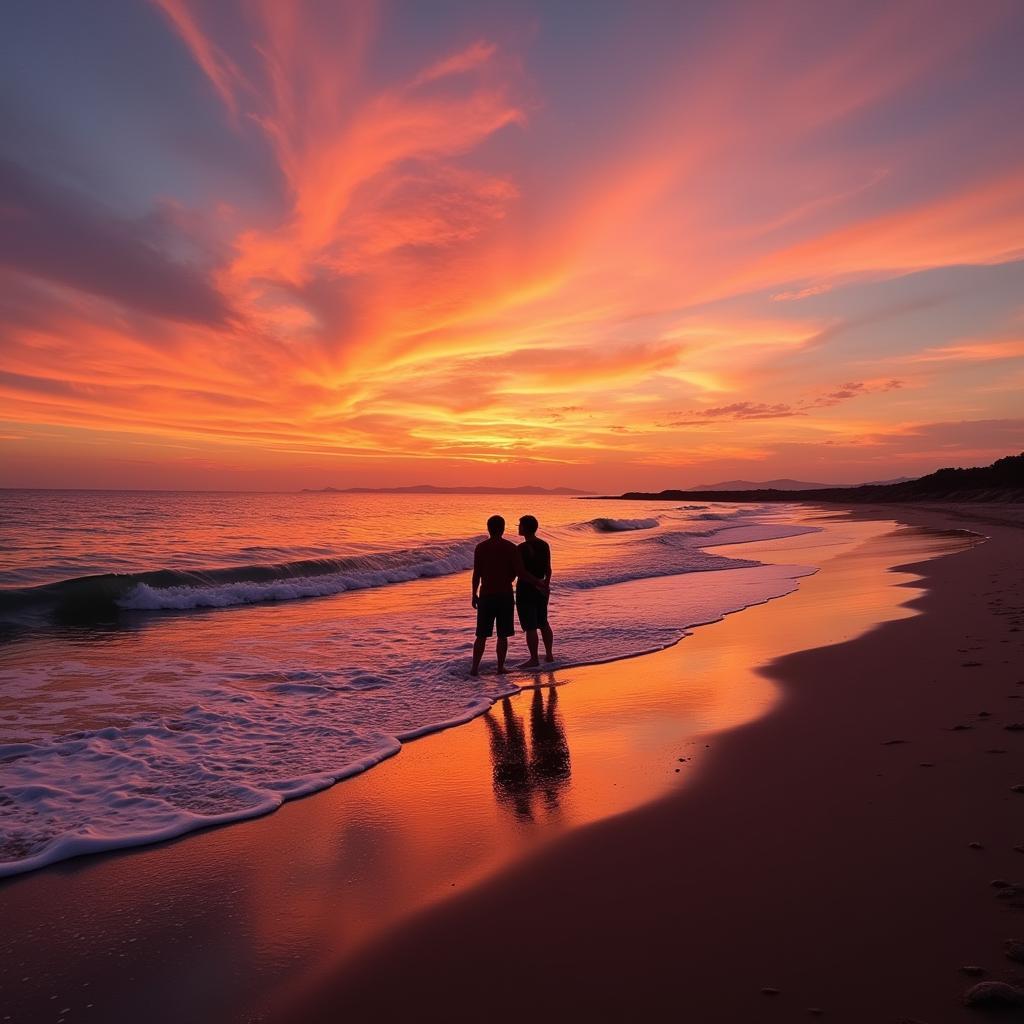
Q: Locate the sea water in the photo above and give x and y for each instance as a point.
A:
(170, 660)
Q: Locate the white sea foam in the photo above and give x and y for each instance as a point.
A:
(607, 525)
(144, 597)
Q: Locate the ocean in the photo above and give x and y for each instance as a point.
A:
(171, 660)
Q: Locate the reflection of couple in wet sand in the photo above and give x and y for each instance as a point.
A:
(496, 564)
(544, 770)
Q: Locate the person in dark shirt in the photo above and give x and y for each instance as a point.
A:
(495, 566)
(533, 589)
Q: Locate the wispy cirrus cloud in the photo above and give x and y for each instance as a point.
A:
(749, 410)
(735, 411)
(980, 351)
(801, 293)
(853, 389)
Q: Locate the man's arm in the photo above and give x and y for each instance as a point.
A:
(525, 574)
(476, 577)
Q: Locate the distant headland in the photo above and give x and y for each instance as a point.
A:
(1003, 481)
(431, 489)
(785, 485)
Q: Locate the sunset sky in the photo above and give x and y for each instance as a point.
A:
(608, 245)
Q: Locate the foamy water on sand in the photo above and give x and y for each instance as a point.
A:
(177, 660)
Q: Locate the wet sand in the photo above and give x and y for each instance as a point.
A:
(563, 835)
(837, 855)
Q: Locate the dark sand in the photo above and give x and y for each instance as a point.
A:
(812, 856)
(796, 849)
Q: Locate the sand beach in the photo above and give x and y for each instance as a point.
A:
(801, 807)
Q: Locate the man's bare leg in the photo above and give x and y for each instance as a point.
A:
(531, 643)
(502, 652)
(549, 640)
(478, 652)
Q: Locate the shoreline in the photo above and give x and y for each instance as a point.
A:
(272, 798)
(822, 863)
(290, 902)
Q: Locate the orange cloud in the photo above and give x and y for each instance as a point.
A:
(980, 351)
(215, 64)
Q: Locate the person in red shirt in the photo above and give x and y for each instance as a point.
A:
(495, 566)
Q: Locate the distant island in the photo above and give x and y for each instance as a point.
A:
(431, 489)
(1002, 481)
(785, 485)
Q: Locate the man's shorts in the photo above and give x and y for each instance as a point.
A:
(532, 606)
(493, 608)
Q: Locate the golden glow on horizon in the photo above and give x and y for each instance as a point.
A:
(705, 282)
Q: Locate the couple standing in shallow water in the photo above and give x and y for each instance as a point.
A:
(496, 563)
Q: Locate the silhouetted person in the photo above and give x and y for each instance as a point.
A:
(532, 591)
(495, 566)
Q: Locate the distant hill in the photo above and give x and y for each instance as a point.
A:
(759, 485)
(784, 485)
(1002, 481)
(431, 489)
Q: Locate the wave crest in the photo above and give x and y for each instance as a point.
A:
(221, 588)
(607, 525)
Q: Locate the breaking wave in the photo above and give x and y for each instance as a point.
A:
(604, 525)
(235, 585)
